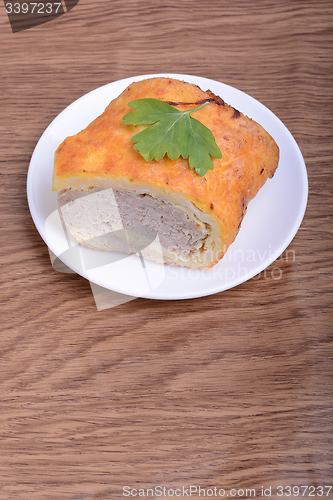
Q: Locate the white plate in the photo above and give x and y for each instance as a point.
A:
(271, 222)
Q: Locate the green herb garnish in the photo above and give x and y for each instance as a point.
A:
(173, 133)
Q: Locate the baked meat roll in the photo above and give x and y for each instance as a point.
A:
(104, 184)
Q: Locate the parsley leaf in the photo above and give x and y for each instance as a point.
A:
(173, 133)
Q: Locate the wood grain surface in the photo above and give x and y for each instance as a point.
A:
(231, 391)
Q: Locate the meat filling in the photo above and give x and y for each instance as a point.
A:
(174, 228)
(178, 228)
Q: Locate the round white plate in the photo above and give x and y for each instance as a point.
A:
(271, 222)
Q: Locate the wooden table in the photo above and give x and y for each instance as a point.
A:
(231, 391)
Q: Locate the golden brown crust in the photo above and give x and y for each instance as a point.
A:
(104, 150)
